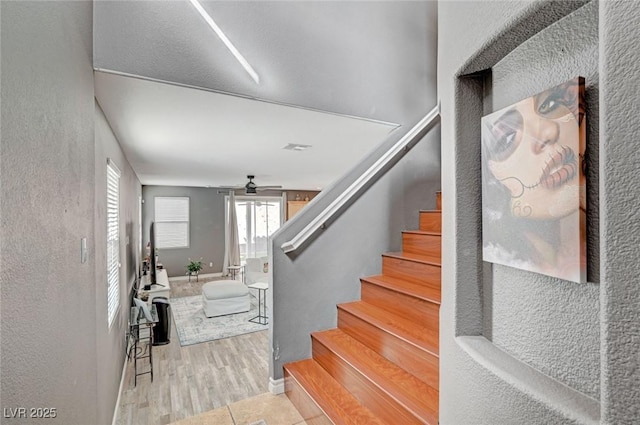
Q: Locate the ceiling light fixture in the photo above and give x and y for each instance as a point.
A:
(226, 41)
(296, 147)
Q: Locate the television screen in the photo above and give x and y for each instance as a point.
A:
(152, 242)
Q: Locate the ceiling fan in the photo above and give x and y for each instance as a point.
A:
(250, 188)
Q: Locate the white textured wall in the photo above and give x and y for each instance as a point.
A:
(46, 200)
(517, 347)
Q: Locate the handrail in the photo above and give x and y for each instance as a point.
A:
(398, 149)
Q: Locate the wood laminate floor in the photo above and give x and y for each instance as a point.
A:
(195, 379)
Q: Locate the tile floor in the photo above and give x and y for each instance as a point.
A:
(272, 409)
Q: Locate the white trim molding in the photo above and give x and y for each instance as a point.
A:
(276, 386)
(186, 277)
(116, 409)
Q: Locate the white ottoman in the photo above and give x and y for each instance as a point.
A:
(225, 297)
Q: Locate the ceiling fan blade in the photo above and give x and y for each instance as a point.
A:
(268, 187)
(250, 188)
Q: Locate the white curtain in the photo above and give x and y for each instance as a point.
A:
(232, 243)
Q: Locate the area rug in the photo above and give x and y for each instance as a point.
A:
(193, 327)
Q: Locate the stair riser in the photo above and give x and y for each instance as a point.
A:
(412, 271)
(420, 363)
(431, 221)
(308, 409)
(422, 244)
(369, 395)
(403, 305)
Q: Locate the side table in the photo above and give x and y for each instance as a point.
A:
(234, 270)
(137, 321)
(262, 287)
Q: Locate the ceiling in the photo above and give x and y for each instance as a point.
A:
(182, 136)
(368, 63)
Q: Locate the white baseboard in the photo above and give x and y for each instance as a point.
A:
(116, 410)
(276, 386)
(186, 278)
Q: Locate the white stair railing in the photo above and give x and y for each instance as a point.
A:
(368, 177)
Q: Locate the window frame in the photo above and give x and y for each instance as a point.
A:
(113, 241)
(158, 223)
(251, 217)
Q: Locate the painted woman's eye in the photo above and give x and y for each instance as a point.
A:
(506, 135)
(549, 105)
(555, 103)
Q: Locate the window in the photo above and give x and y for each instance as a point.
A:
(113, 241)
(172, 222)
(258, 218)
(139, 236)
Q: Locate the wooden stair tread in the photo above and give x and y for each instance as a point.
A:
(381, 365)
(421, 232)
(420, 335)
(414, 395)
(414, 267)
(413, 257)
(332, 398)
(421, 291)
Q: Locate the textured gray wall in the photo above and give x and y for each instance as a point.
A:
(57, 348)
(620, 220)
(505, 332)
(49, 344)
(308, 283)
(111, 342)
(559, 318)
(206, 227)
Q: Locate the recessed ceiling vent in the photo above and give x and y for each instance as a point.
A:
(296, 147)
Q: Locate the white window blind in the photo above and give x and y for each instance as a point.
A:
(172, 222)
(113, 241)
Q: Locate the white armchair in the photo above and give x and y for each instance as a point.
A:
(256, 270)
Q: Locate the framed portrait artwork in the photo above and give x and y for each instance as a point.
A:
(533, 184)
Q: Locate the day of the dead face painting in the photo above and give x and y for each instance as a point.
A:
(533, 183)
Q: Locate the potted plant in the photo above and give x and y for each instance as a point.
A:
(193, 268)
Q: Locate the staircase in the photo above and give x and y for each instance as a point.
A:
(380, 366)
